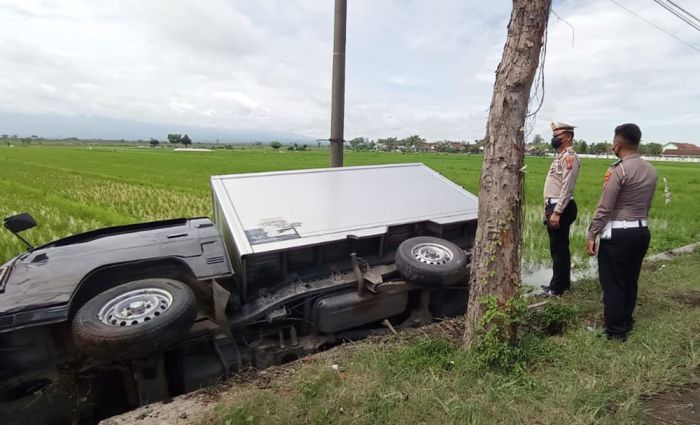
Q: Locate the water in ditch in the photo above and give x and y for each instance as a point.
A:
(535, 275)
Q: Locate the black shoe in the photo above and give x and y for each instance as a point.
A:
(616, 337)
(551, 293)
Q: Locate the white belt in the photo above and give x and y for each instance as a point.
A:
(628, 224)
(555, 200)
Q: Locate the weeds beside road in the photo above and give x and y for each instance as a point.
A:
(421, 376)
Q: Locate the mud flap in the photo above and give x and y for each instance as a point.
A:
(221, 297)
(420, 316)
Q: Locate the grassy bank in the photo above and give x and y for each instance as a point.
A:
(421, 376)
(73, 189)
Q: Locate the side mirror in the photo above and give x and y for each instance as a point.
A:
(19, 223)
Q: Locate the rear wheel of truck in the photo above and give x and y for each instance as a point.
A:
(432, 261)
(134, 319)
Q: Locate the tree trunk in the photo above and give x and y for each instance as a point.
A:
(495, 268)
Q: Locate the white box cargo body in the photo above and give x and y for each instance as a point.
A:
(264, 213)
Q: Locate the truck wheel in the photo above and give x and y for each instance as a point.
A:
(134, 319)
(431, 261)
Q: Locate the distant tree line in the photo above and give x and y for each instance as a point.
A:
(173, 139)
(292, 146)
(538, 146)
(413, 143)
(24, 140)
(176, 139)
(297, 147)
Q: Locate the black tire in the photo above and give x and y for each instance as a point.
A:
(119, 341)
(441, 271)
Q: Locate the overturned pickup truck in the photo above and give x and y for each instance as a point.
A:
(101, 322)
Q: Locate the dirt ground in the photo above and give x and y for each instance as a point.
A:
(181, 410)
(688, 298)
(674, 408)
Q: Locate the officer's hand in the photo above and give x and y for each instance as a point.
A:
(590, 247)
(554, 220)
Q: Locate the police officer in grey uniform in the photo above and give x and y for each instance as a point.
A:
(621, 223)
(560, 207)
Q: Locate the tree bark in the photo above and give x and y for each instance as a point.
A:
(495, 268)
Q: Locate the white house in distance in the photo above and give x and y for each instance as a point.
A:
(680, 149)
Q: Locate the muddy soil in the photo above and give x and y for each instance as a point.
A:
(674, 408)
(688, 299)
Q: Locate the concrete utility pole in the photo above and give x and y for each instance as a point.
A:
(495, 268)
(338, 94)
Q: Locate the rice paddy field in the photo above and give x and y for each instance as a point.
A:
(73, 189)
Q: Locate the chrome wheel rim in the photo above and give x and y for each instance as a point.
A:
(432, 253)
(135, 307)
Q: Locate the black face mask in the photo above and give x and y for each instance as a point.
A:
(616, 151)
(556, 142)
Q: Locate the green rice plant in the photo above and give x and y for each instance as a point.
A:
(73, 189)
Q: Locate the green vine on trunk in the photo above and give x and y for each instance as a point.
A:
(497, 341)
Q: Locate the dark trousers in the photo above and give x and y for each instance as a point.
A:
(559, 248)
(619, 263)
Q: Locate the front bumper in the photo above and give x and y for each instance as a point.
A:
(23, 319)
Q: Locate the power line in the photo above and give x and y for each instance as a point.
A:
(567, 23)
(678, 14)
(531, 117)
(685, 11)
(656, 26)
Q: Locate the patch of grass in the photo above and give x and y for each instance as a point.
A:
(240, 416)
(553, 319)
(577, 377)
(428, 354)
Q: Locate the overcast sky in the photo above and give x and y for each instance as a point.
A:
(413, 66)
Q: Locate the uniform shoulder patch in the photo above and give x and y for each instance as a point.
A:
(570, 162)
(607, 177)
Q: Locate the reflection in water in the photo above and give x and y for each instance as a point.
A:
(538, 274)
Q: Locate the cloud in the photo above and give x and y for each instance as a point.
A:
(621, 69)
(413, 67)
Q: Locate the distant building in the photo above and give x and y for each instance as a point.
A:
(536, 149)
(680, 149)
(421, 147)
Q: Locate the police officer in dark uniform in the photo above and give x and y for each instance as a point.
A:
(621, 223)
(559, 206)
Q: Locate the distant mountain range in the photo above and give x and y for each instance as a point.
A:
(94, 127)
